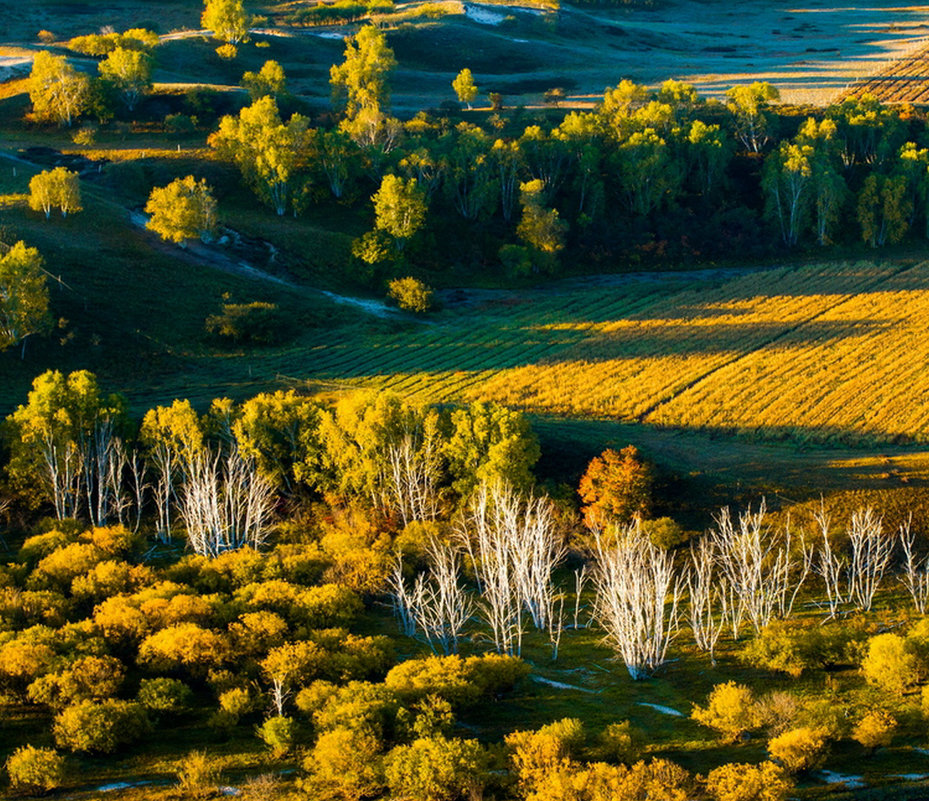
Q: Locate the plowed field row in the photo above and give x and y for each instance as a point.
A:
(831, 352)
(905, 80)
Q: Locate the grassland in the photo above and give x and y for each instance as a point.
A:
(811, 52)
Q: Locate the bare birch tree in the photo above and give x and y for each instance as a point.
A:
(488, 542)
(829, 564)
(915, 571)
(441, 605)
(708, 596)
(637, 595)
(760, 567)
(225, 503)
(414, 470)
(871, 552)
(515, 546)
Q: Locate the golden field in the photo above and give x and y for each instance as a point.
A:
(833, 352)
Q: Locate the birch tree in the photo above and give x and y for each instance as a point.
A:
(58, 92)
(438, 605)
(225, 503)
(273, 156)
(515, 547)
(916, 571)
(871, 551)
(787, 179)
(637, 593)
(707, 593)
(760, 566)
(173, 436)
(56, 436)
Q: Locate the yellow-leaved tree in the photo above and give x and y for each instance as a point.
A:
(184, 209)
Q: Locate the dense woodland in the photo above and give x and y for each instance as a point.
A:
(351, 595)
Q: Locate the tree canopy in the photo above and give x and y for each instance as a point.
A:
(184, 209)
(23, 295)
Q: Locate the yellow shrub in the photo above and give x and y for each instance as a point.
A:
(731, 709)
(889, 665)
(737, 782)
(799, 750)
(875, 729)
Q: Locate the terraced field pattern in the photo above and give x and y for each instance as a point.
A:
(828, 353)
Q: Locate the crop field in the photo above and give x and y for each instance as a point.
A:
(904, 80)
(829, 353)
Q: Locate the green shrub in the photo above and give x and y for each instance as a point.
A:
(35, 770)
(257, 322)
(180, 124)
(279, 734)
(411, 294)
(238, 702)
(164, 695)
(100, 727)
(740, 782)
(793, 647)
(663, 532)
(875, 729)
(889, 665)
(620, 742)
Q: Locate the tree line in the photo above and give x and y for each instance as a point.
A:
(690, 176)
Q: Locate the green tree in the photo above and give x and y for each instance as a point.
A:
(129, 72)
(228, 20)
(272, 156)
(649, 174)
(469, 171)
(913, 163)
(539, 227)
(23, 296)
(884, 208)
(749, 106)
(182, 210)
(868, 132)
(490, 443)
(787, 179)
(360, 81)
(709, 153)
(269, 80)
(464, 86)
(59, 93)
(58, 188)
(399, 208)
(280, 431)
